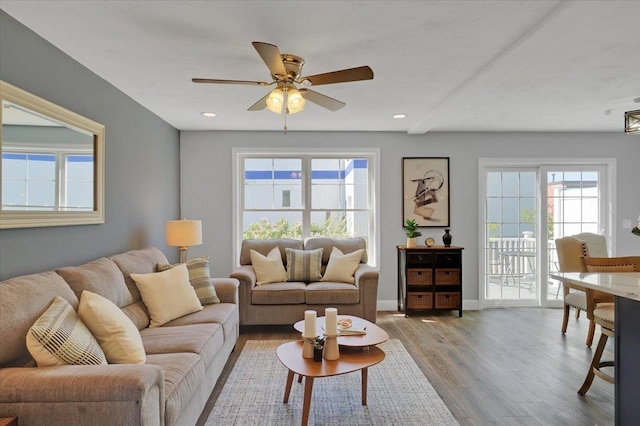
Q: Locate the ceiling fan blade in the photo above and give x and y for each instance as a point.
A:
(213, 80)
(322, 100)
(342, 76)
(270, 54)
(261, 104)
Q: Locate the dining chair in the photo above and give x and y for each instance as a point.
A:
(603, 314)
(569, 251)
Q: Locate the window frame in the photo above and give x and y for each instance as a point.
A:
(240, 154)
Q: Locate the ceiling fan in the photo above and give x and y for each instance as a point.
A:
(285, 70)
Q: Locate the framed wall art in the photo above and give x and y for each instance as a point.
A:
(425, 190)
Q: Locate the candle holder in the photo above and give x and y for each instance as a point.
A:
(308, 342)
(331, 348)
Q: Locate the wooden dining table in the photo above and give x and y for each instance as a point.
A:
(625, 286)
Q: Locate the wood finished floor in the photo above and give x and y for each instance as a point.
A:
(491, 367)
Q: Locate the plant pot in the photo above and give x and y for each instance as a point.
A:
(411, 242)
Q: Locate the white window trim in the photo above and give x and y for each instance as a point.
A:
(610, 165)
(239, 153)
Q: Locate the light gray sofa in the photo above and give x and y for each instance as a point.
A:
(285, 302)
(184, 357)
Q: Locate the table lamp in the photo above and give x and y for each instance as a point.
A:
(184, 233)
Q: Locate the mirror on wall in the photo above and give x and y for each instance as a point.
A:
(52, 163)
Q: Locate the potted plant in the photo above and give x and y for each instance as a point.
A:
(411, 229)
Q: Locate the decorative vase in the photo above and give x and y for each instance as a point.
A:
(317, 353)
(411, 242)
(446, 238)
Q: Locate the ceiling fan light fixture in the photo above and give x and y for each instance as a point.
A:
(295, 101)
(275, 101)
(632, 122)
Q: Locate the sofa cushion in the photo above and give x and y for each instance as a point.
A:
(322, 293)
(304, 265)
(199, 277)
(138, 262)
(117, 335)
(167, 295)
(59, 337)
(183, 375)
(342, 266)
(202, 339)
(225, 314)
(269, 268)
(102, 277)
(289, 293)
(346, 245)
(22, 300)
(265, 246)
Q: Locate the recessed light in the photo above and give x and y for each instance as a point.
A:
(399, 115)
(209, 114)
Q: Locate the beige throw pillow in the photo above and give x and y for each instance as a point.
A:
(269, 268)
(341, 267)
(118, 337)
(167, 295)
(59, 337)
(200, 279)
(304, 265)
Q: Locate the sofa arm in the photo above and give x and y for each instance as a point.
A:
(246, 276)
(84, 394)
(366, 278)
(226, 289)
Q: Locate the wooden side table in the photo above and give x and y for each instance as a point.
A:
(8, 421)
(290, 355)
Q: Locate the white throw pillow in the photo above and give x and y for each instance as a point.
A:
(341, 267)
(167, 295)
(269, 268)
(118, 337)
(59, 337)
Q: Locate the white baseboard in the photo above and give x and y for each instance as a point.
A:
(392, 305)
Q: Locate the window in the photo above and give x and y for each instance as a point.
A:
(300, 196)
(29, 181)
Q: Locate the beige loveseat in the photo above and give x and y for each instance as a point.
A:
(285, 302)
(184, 358)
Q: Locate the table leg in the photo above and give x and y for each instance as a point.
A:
(287, 389)
(299, 378)
(365, 374)
(308, 388)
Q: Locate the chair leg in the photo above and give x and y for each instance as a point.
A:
(578, 313)
(565, 319)
(592, 330)
(594, 364)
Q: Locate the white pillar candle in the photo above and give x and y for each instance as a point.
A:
(310, 324)
(331, 321)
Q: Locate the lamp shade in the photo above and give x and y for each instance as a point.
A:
(184, 233)
(295, 101)
(275, 101)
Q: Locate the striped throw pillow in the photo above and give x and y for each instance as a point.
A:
(59, 337)
(199, 278)
(304, 265)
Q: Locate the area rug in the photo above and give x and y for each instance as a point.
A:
(398, 393)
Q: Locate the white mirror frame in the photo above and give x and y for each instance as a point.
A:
(31, 219)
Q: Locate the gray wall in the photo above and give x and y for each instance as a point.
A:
(142, 167)
(206, 160)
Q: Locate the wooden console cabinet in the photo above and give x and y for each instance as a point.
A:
(429, 278)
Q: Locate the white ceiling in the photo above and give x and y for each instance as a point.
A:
(449, 65)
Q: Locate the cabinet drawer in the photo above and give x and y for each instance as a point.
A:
(447, 276)
(419, 277)
(450, 260)
(419, 300)
(447, 300)
(419, 259)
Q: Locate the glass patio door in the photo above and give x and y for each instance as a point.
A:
(511, 249)
(524, 209)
